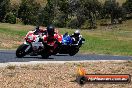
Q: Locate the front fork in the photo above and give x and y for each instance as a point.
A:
(29, 46)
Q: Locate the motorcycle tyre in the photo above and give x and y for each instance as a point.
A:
(45, 55)
(73, 52)
(20, 52)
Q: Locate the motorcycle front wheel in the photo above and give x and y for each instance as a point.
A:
(73, 52)
(20, 52)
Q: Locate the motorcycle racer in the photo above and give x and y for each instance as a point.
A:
(76, 36)
(52, 37)
(38, 31)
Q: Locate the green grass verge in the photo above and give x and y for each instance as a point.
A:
(107, 46)
(8, 31)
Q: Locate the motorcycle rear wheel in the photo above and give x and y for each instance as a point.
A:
(45, 55)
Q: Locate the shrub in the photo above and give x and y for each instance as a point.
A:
(73, 23)
(85, 25)
(19, 21)
(58, 23)
(10, 18)
(60, 20)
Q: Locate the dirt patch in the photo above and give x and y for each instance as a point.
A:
(16, 27)
(60, 75)
(9, 42)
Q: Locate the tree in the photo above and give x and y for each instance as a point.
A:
(46, 14)
(10, 18)
(14, 6)
(4, 6)
(112, 9)
(128, 6)
(77, 18)
(89, 10)
(28, 12)
(64, 9)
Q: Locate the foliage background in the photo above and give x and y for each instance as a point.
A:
(66, 13)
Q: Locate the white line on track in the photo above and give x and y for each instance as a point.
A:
(54, 62)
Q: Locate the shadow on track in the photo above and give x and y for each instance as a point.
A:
(34, 57)
(61, 55)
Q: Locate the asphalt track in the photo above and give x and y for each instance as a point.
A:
(9, 56)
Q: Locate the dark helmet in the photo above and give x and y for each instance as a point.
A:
(50, 29)
(37, 28)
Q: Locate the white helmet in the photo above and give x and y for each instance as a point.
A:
(77, 32)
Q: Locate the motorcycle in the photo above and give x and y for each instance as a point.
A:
(34, 45)
(70, 45)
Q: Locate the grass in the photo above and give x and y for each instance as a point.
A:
(120, 1)
(107, 44)
(13, 32)
(11, 35)
(115, 40)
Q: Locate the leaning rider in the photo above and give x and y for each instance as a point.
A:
(52, 36)
(76, 36)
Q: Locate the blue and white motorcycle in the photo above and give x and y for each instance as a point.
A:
(70, 44)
